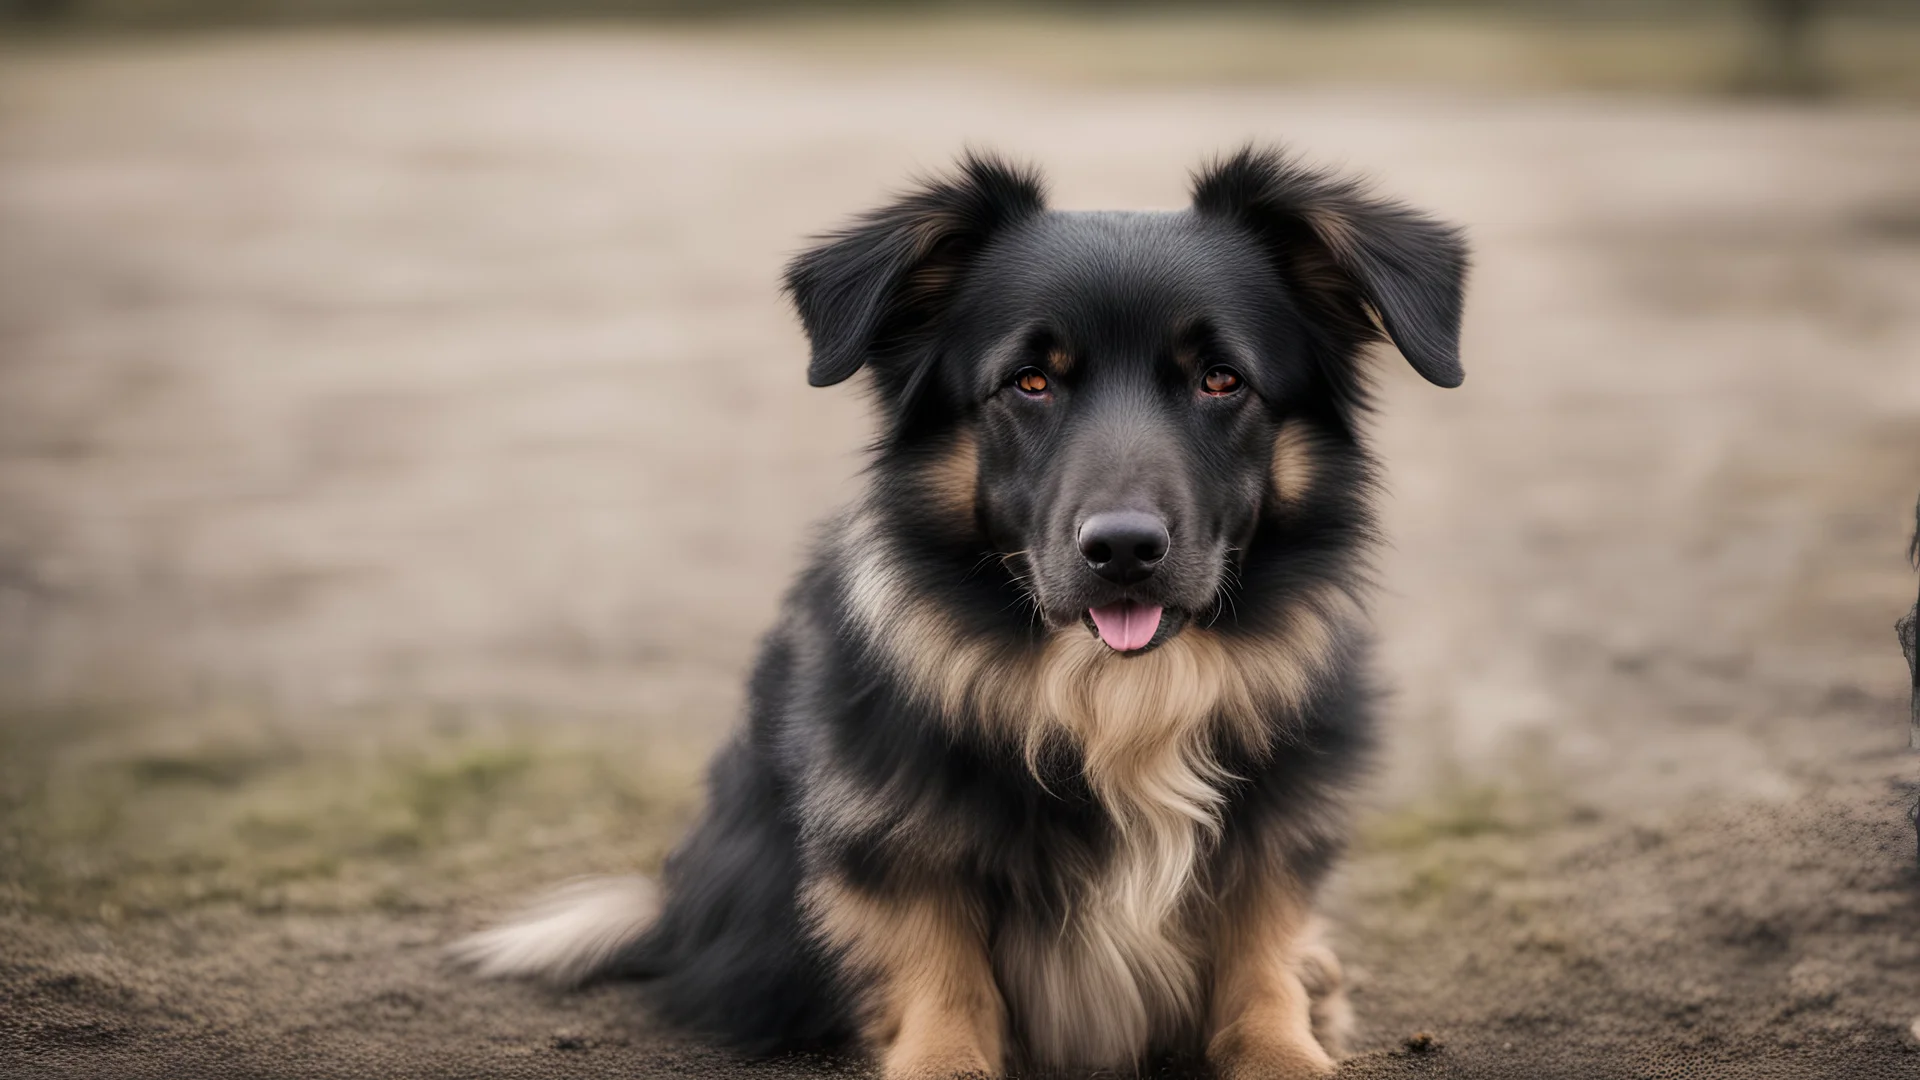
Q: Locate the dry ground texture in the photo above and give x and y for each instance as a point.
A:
(402, 443)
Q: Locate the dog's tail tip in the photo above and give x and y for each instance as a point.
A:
(576, 933)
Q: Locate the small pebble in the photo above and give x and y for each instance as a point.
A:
(1421, 1042)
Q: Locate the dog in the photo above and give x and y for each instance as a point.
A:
(1047, 757)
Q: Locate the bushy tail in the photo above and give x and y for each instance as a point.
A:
(578, 933)
(722, 947)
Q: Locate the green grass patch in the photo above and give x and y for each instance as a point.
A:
(1453, 846)
(1460, 813)
(100, 835)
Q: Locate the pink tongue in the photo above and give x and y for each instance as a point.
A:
(1126, 626)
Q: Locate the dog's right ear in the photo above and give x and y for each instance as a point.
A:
(871, 290)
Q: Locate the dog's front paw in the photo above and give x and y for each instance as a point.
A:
(1331, 1014)
(924, 1062)
(1250, 1050)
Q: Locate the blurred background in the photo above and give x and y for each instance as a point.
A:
(403, 442)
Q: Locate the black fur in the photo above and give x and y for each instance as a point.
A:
(1276, 272)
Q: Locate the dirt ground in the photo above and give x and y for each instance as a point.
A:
(402, 443)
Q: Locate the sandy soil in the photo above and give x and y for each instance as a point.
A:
(402, 443)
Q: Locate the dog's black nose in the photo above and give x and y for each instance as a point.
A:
(1124, 546)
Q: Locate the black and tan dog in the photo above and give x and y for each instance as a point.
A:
(1046, 759)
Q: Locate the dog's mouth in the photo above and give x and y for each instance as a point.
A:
(1130, 627)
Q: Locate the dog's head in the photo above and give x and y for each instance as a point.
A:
(1128, 407)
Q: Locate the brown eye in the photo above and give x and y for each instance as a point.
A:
(1221, 381)
(1031, 381)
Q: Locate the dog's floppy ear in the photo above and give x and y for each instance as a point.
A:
(1346, 251)
(866, 291)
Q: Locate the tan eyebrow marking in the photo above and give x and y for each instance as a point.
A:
(1187, 355)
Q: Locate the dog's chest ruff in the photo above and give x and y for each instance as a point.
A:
(1123, 970)
(1106, 982)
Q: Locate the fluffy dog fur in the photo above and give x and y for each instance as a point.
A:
(961, 830)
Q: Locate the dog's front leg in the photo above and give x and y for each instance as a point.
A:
(1263, 1019)
(930, 1005)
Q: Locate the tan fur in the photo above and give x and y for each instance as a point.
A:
(1321, 974)
(928, 279)
(1097, 989)
(1262, 1022)
(934, 1009)
(1334, 228)
(1320, 272)
(1293, 468)
(1059, 361)
(1130, 963)
(953, 478)
(1188, 359)
(1076, 685)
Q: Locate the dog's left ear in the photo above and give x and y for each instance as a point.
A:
(1344, 252)
(871, 291)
